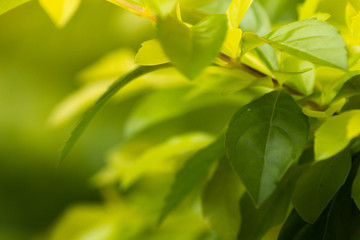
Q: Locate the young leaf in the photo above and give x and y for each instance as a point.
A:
(335, 134)
(91, 112)
(236, 12)
(319, 184)
(256, 20)
(305, 39)
(60, 11)
(191, 49)
(160, 7)
(190, 174)
(257, 221)
(151, 53)
(6, 5)
(220, 201)
(263, 140)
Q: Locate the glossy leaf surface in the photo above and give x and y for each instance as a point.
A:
(263, 139)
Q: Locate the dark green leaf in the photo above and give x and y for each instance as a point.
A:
(257, 221)
(263, 139)
(319, 185)
(355, 191)
(339, 221)
(191, 49)
(190, 174)
(91, 112)
(220, 201)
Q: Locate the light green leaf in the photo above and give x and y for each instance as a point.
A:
(308, 9)
(159, 107)
(91, 112)
(257, 221)
(60, 11)
(263, 139)
(236, 12)
(335, 107)
(305, 39)
(160, 7)
(304, 81)
(191, 49)
(318, 185)
(161, 157)
(335, 134)
(151, 53)
(220, 201)
(190, 174)
(6, 5)
(256, 20)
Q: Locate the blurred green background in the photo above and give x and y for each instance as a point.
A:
(38, 67)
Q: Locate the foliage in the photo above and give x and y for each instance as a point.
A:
(246, 110)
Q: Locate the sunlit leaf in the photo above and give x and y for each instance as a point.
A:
(263, 139)
(60, 11)
(220, 201)
(308, 9)
(335, 134)
(151, 53)
(236, 12)
(256, 20)
(161, 7)
(318, 185)
(191, 49)
(190, 174)
(6, 5)
(305, 39)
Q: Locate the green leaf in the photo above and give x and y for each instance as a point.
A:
(355, 190)
(191, 49)
(6, 5)
(151, 53)
(319, 184)
(336, 133)
(158, 107)
(350, 88)
(257, 221)
(220, 201)
(162, 155)
(160, 7)
(305, 39)
(256, 20)
(263, 139)
(91, 112)
(60, 11)
(190, 174)
(340, 219)
(236, 12)
(304, 81)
